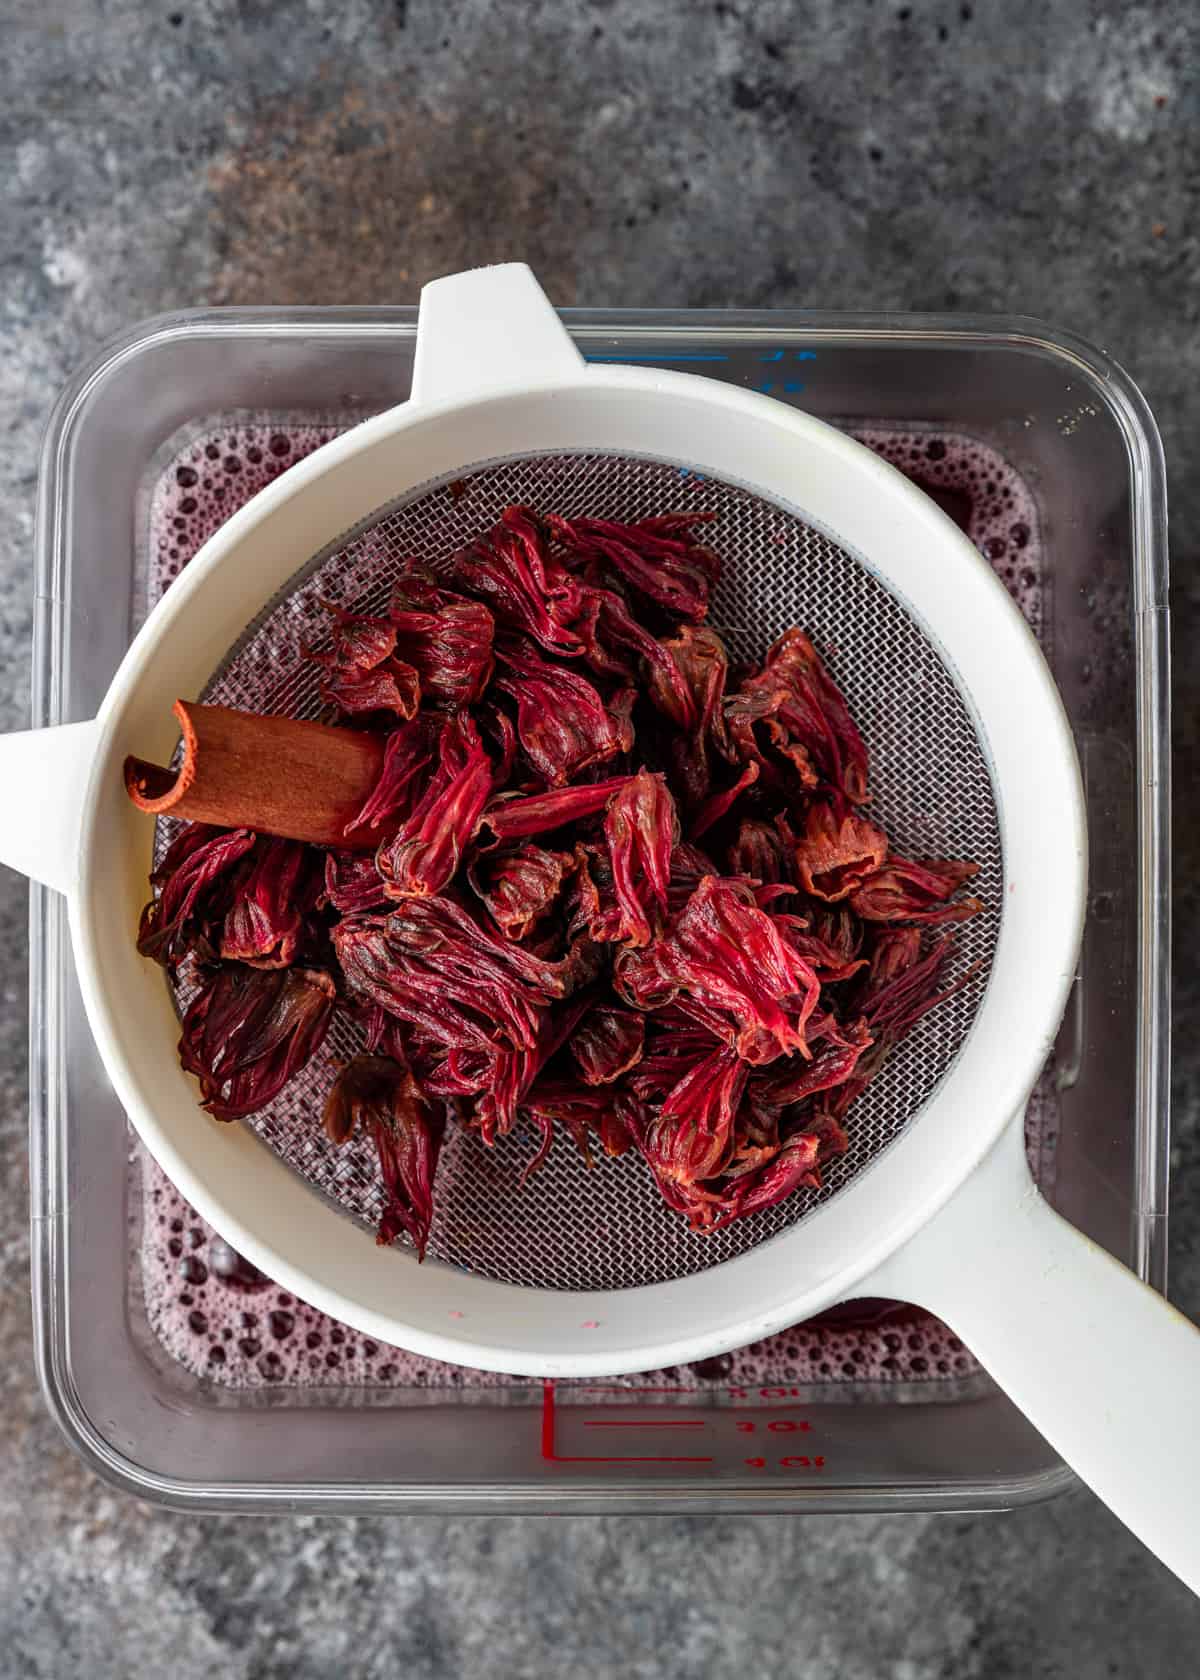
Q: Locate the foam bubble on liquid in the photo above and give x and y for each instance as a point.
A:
(225, 1322)
(984, 496)
(214, 475)
(209, 479)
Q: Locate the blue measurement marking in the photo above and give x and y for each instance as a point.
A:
(800, 355)
(699, 356)
(791, 386)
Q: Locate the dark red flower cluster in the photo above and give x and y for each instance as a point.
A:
(620, 889)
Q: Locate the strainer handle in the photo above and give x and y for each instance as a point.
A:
(1102, 1366)
(486, 329)
(44, 778)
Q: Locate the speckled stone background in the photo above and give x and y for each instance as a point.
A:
(935, 155)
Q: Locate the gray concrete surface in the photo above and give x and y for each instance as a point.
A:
(931, 155)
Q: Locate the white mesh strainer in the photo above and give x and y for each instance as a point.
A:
(569, 1227)
(586, 1274)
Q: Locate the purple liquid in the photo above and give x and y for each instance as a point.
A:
(222, 1319)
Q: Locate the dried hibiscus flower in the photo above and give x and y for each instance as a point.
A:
(692, 1138)
(353, 884)
(408, 751)
(796, 1166)
(838, 851)
(526, 588)
(514, 817)
(264, 923)
(640, 829)
(250, 1030)
(902, 984)
(519, 884)
(723, 961)
(583, 1113)
(691, 693)
(674, 1042)
(424, 853)
(792, 711)
(657, 557)
(829, 937)
(434, 966)
(593, 884)
(447, 641)
(607, 1044)
(915, 892)
(562, 721)
(614, 644)
(361, 672)
(512, 1073)
(194, 885)
(832, 1065)
(380, 1095)
(759, 852)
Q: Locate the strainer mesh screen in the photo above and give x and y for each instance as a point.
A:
(571, 1227)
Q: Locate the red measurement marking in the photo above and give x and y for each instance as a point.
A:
(615, 1388)
(682, 1393)
(553, 1456)
(643, 1423)
(781, 1426)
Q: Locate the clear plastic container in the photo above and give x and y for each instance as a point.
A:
(1081, 439)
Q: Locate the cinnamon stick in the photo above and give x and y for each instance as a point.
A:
(300, 781)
